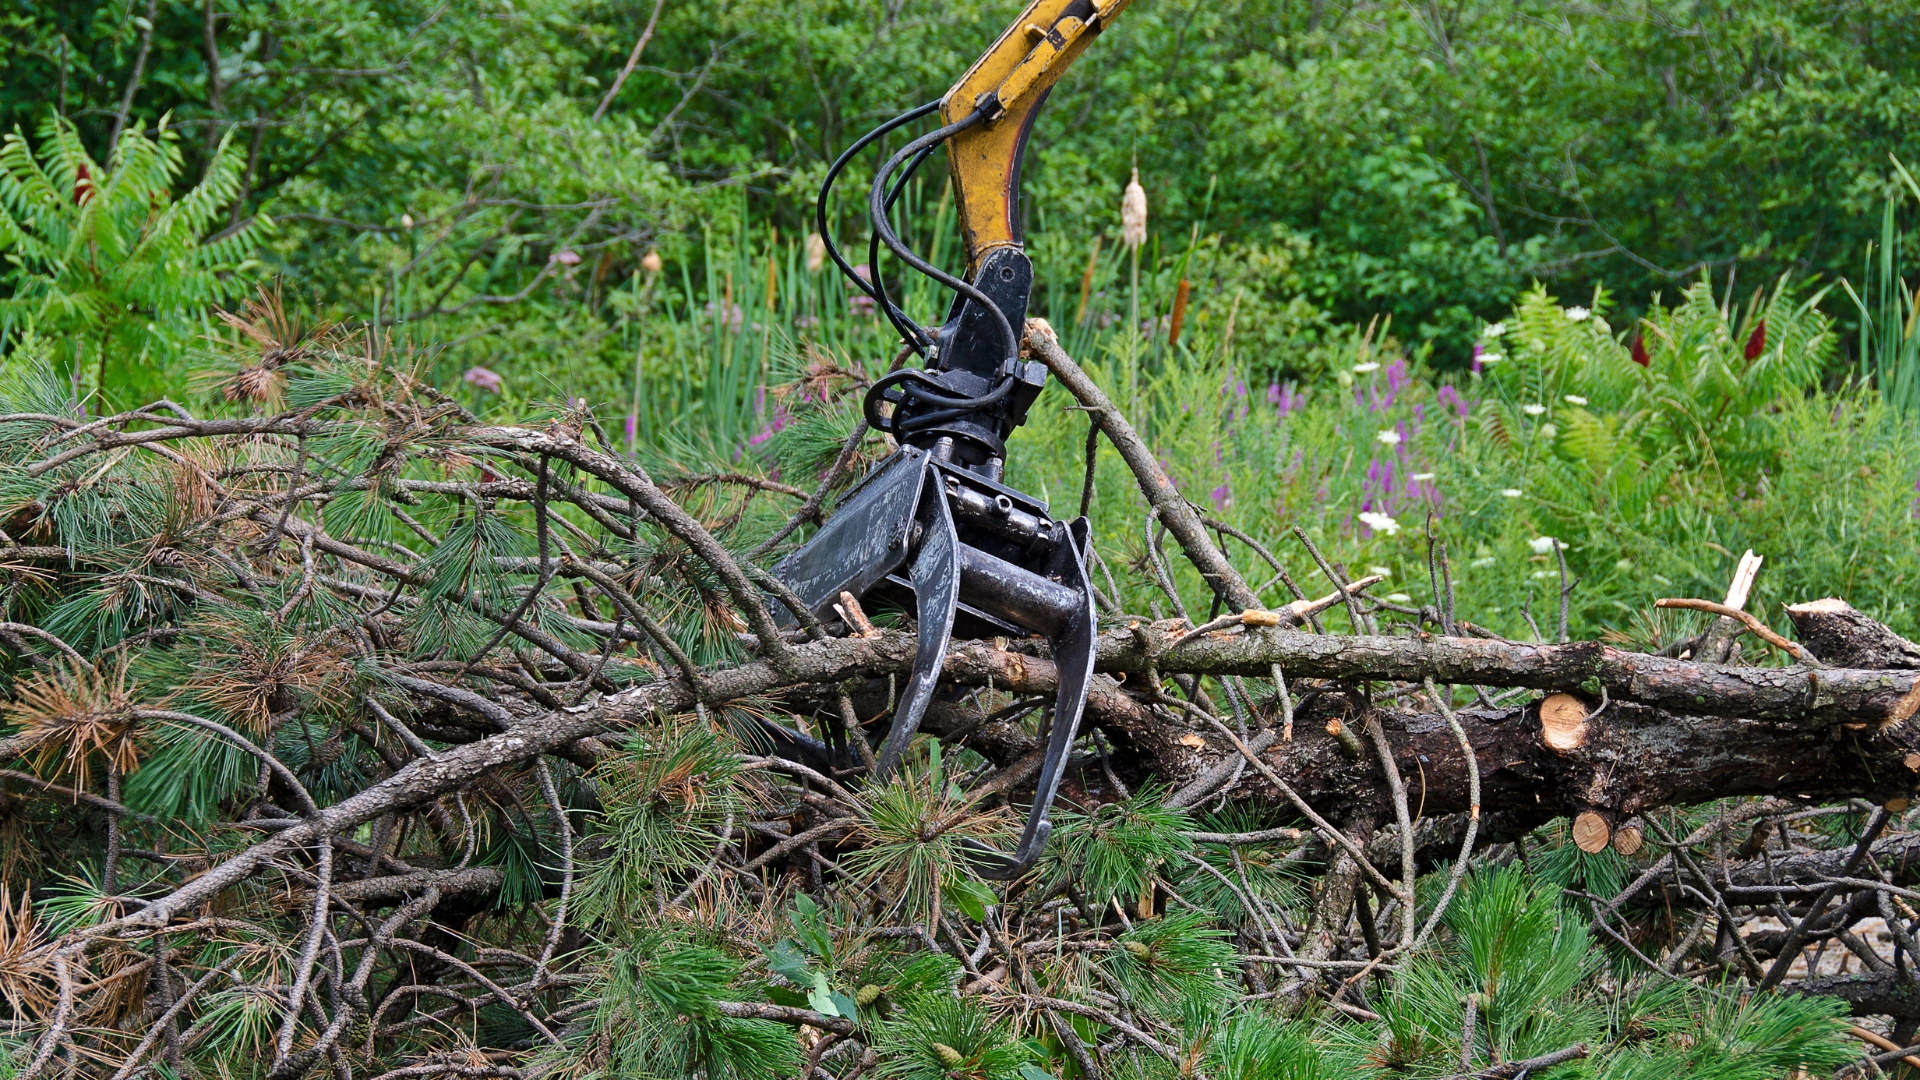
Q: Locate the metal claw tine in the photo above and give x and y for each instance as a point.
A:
(936, 590)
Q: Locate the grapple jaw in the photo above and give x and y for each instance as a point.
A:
(962, 549)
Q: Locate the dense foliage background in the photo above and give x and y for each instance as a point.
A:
(1602, 294)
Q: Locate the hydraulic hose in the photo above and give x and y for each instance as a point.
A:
(911, 331)
(826, 189)
(877, 211)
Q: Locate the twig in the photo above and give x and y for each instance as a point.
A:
(1180, 518)
(1751, 622)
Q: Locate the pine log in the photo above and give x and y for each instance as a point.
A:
(1837, 634)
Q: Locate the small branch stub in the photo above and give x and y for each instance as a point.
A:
(1591, 831)
(1563, 722)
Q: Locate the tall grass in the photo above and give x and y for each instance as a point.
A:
(1889, 349)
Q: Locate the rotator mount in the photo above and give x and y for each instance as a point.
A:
(972, 392)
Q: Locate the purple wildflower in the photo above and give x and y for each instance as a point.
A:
(633, 427)
(734, 317)
(1477, 350)
(484, 378)
(1451, 398)
(773, 428)
(565, 258)
(1222, 496)
(1397, 377)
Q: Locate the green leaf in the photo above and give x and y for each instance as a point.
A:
(973, 898)
(786, 960)
(821, 999)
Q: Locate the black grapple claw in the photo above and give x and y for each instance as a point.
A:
(974, 553)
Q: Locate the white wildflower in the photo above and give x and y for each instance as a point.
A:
(1511, 493)
(1574, 399)
(1534, 409)
(1383, 571)
(1370, 365)
(1494, 329)
(1491, 358)
(1380, 523)
(1542, 545)
(1399, 598)
(1543, 574)
(1423, 476)
(1483, 563)
(1389, 436)
(1576, 313)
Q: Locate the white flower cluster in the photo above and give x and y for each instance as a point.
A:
(1378, 522)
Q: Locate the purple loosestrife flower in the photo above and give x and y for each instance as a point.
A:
(778, 424)
(1397, 378)
(484, 378)
(1451, 398)
(633, 427)
(1222, 496)
(1478, 350)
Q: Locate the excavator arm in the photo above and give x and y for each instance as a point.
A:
(932, 529)
(1011, 81)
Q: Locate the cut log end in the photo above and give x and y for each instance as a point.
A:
(1563, 722)
(1838, 635)
(1628, 840)
(1591, 831)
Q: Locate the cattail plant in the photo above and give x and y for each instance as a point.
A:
(1133, 233)
(1180, 294)
(1086, 282)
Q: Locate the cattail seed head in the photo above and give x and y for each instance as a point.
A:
(816, 253)
(1133, 213)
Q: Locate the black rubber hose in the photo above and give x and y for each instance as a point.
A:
(870, 404)
(833, 173)
(911, 331)
(877, 211)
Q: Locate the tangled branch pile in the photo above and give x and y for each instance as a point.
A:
(350, 734)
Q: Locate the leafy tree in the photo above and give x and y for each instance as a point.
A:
(108, 265)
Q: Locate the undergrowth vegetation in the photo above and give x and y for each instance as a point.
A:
(290, 541)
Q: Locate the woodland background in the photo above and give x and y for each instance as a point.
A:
(1601, 295)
